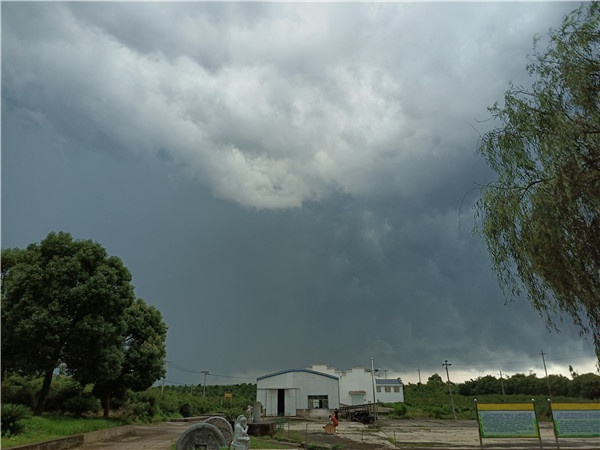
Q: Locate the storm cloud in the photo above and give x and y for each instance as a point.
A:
(289, 183)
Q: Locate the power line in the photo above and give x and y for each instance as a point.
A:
(201, 372)
(230, 376)
(183, 369)
(559, 357)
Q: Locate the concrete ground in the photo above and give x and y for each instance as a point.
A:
(400, 434)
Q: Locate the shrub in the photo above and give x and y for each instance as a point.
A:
(20, 390)
(63, 388)
(11, 418)
(81, 405)
(232, 414)
(400, 410)
(185, 410)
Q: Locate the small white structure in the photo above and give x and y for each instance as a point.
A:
(389, 391)
(298, 392)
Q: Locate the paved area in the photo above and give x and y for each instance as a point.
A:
(161, 436)
(434, 434)
(399, 434)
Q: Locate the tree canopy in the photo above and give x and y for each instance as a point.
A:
(540, 218)
(144, 359)
(67, 302)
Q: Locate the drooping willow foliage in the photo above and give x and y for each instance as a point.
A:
(540, 219)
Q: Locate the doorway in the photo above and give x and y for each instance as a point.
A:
(281, 402)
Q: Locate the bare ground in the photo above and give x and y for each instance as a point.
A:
(400, 434)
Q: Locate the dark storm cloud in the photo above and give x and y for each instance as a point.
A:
(289, 183)
(354, 91)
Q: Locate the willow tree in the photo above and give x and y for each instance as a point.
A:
(540, 218)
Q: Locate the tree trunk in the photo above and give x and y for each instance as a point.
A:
(43, 395)
(106, 406)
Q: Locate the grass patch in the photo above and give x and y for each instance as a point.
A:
(46, 428)
(263, 442)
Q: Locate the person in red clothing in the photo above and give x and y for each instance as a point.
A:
(335, 422)
(331, 426)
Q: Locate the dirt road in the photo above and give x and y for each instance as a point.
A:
(159, 437)
(401, 434)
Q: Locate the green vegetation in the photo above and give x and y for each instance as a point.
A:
(45, 428)
(69, 306)
(12, 419)
(422, 401)
(432, 400)
(540, 219)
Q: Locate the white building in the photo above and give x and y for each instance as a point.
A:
(298, 392)
(389, 391)
(356, 386)
(316, 391)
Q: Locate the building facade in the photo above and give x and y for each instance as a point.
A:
(298, 392)
(316, 391)
(389, 391)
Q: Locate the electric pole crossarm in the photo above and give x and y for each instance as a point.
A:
(446, 364)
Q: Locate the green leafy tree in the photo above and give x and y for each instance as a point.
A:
(559, 384)
(435, 382)
(530, 384)
(586, 385)
(63, 301)
(144, 360)
(540, 219)
(487, 385)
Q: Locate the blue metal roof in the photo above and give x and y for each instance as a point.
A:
(314, 372)
(391, 381)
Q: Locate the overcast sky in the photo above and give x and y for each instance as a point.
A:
(288, 183)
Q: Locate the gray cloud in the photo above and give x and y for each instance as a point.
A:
(289, 183)
(276, 105)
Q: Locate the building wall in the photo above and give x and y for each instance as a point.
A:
(352, 387)
(389, 391)
(355, 383)
(356, 386)
(297, 385)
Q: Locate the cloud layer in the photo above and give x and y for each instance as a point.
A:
(298, 175)
(272, 105)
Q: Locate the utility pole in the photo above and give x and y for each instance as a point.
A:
(419, 370)
(374, 398)
(446, 364)
(547, 379)
(205, 372)
(502, 386)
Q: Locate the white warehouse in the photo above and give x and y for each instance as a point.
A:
(298, 392)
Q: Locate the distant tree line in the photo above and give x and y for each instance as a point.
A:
(69, 397)
(427, 400)
(586, 386)
(432, 399)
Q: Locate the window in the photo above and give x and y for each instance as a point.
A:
(318, 401)
(388, 389)
(378, 388)
(396, 388)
